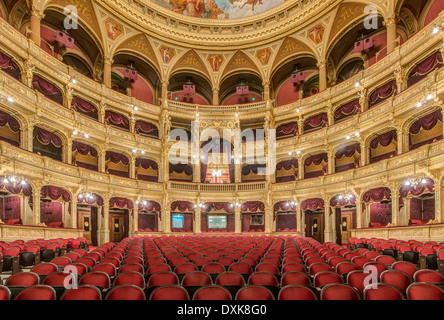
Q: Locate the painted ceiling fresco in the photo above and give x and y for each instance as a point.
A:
(219, 9)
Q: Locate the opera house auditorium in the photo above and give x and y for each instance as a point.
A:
(221, 150)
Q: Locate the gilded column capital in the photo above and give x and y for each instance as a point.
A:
(391, 20)
(109, 61)
(33, 11)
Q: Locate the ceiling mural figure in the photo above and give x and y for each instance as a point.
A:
(219, 9)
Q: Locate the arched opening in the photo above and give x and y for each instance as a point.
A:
(182, 216)
(146, 129)
(229, 95)
(181, 172)
(8, 65)
(384, 146)
(149, 216)
(344, 209)
(287, 170)
(285, 216)
(316, 165)
(426, 129)
(217, 162)
(348, 157)
(147, 170)
(347, 111)
(84, 156)
(15, 202)
(47, 144)
(217, 217)
(423, 68)
(48, 89)
(117, 164)
(315, 122)
(117, 120)
(417, 202)
(203, 92)
(313, 210)
(287, 130)
(119, 215)
(377, 208)
(55, 209)
(9, 129)
(89, 208)
(84, 107)
(382, 93)
(253, 216)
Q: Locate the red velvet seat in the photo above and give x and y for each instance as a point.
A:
(225, 261)
(326, 277)
(163, 278)
(398, 279)
(373, 265)
(241, 267)
(346, 267)
(196, 278)
(318, 267)
(97, 278)
(108, 268)
(132, 259)
(82, 292)
(125, 292)
(112, 260)
(149, 262)
(39, 292)
(23, 279)
(213, 268)
(334, 261)
(371, 255)
(337, 291)
(169, 292)
(296, 292)
(5, 293)
(212, 292)
(295, 277)
(76, 268)
(387, 260)
(130, 278)
(158, 267)
(87, 261)
(382, 291)
(267, 266)
(95, 255)
(293, 266)
(428, 276)
(73, 256)
(185, 268)
(254, 293)
(424, 291)
(132, 267)
(360, 261)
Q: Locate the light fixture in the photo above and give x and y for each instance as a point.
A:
(13, 178)
(346, 196)
(135, 108)
(10, 99)
(197, 114)
(73, 80)
(436, 29)
(298, 110)
(419, 104)
(429, 96)
(298, 152)
(357, 134)
(290, 153)
(76, 132)
(357, 84)
(237, 115)
(415, 181)
(348, 137)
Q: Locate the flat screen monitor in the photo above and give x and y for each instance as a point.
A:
(217, 222)
(177, 220)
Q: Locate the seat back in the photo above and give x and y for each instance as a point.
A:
(326, 277)
(252, 292)
(382, 291)
(169, 292)
(428, 276)
(337, 291)
(23, 279)
(130, 277)
(212, 292)
(296, 292)
(96, 278)
(424, 291)
(196, 278)
(125, 292)
(406, 267)
(82, 292)
(5, 293)
(163, 278)
(295, 277)
(39, 292)
(263, 278)
(108, 268)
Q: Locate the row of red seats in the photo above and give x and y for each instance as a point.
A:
(429, 255)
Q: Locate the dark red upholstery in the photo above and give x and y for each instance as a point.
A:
(424, 291)
(169, 292)
(296, 292)
(338, 291)
(82, 292)
(212, 292)
(125, 292)
(254, 293)
(382, 291)
(39, 292)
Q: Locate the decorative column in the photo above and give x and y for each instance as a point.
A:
(237, 219)
(300, 168)
(303, 226)
(167, 221)
(68, 151)
(164, 93)
(322, 65)
(135, 218)
(103, 233)
(364, 153)
(404, 213)
(29, 137)
(266, 86)
(215, 96)
(390, 24)
(438, 203)
(101, 112)
(108, 62)
(29, 73)
(331, 162)
(131, 223)
(132, 123)
(101, 160)
(165, 164)
(401, 140)
(35, 17)
(132, 167)
(299, 226)
(395, 209)
(36, 206)
(359, 213)
(329, 231)
(330, 115)
(74, 212)
(197, 217)
(268, 218)
(300, 126)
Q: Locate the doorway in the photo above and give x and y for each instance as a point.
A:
(118, 225)
(314, 225)
(87, 220)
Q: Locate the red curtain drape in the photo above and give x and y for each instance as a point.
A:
(312, 204)
(182, 206)
(83, 149)
(181, 167)
(286, 222)
(6, 119)
(121, 203)
(45, 137)
(316, 159)
(96, 200)
(253, 206)
(382, 93)
(143, 127)
(348, 151)
(147, 221)
(317, 121)
(376, 195)
(9, 66)
(287, 130)
(47, 89)
(218, 206)
(420, 189)
(116, 119)
(11, 208)
(55, 193)
(51, 212)
(84, 107)
(384, 139)
(341, 201)
(116, 158)
(18, 188)
(347, 110)
(432, 62)
(146, 163)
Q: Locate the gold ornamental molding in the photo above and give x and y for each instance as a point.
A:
(260, 29)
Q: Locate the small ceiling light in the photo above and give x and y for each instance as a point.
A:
(74, 132)
(419, 104)
(10, 99)
(137, 201)
(237, 115)
(435, 30)
(142, 152)
(13, 179)
(298, 110)
(357, 84)
(290, 153)
(23, 182)
(347, 137)
(86, 135)
(144, 203)
(357, 133)
(429, 96)
(135, 108)
(74, 81)
(134, 150)
(298, 152)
